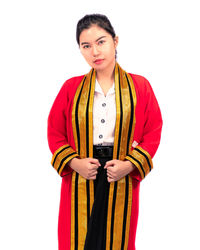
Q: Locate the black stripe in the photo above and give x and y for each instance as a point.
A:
(138, 163)
(59, 153)
(125, 213)
(113, 215)
(87, 118)
(95, 185)
(60, 165)
(88, 201)
(131, 118)
(105, 218)
(76, 212)
(137, 149)
(121, 117)
(76, 116)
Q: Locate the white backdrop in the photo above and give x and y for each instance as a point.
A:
(38, 52)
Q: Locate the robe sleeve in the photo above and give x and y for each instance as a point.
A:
(141, 156)
(57, 134)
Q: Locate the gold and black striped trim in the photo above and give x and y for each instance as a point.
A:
(120, 192)
(113, 213)
(62, 156)
(125, 113)
(82, 122)
(76, 129)
(119, 213)
(125, 212)
(133, 101)
(141, 159)
(82, 189)
(76, 211)
(146, 157)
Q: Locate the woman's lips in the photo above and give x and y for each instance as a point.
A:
(98, 61)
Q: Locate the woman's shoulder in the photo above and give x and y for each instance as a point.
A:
(141, 83)
(138, 79)
(73, 82)
(68, 88)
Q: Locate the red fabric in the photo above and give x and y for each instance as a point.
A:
(147, 134)
(64, 220)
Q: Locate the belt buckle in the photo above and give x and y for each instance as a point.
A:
(102, 152)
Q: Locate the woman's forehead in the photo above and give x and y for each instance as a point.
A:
(92, 34)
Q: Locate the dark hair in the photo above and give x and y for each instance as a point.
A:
(88, 20)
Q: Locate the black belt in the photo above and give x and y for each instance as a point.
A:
(103, 151)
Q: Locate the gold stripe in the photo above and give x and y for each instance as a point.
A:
(73, 212)
(128, 213)
(82, 212)
(119, 213)
(91, 183)
(144, 160)
(109, 215)
(82, 120)
(61, 156)
(134, 105)
(66, 161)
(82, 109)
(136, 164)
(118, 112)
(74, 113)
(82, 114)
(126, 106)
(91, 115)
(147, 154)
(57, 151)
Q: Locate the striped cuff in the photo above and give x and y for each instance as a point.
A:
(62, 156)
(141, 159)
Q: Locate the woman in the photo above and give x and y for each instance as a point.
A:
(103, 130)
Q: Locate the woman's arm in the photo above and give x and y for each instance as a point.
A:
(141, 156)
(57, 135)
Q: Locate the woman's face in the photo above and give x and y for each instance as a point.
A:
(98, 47)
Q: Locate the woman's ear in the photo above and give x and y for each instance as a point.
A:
(116, 40)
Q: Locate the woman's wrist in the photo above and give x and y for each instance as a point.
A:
(130, 165)
(73, 162)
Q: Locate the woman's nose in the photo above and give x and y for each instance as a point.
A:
(95, 50)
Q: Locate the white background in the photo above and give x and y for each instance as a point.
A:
(38, 52)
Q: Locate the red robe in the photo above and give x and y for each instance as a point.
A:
(147, 123)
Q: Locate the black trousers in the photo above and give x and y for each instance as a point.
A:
(96, 234)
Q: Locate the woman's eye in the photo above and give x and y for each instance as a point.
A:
(101, 42)
(86, 46)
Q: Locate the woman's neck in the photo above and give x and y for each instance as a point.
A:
(106, 78)
(106, 75)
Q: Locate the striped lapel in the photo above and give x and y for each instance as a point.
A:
(120, 192)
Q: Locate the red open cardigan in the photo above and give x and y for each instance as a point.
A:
(147, 133)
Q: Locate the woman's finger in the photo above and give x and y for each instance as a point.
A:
(109, 164)
(110, 179)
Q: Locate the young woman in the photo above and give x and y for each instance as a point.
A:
(103, 130)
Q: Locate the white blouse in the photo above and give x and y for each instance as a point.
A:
(104, 116)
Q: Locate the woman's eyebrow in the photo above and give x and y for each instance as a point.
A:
(95, 41)
(100, 38)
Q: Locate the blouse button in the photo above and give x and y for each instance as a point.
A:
(100, 136)
(102, 120)
(103, 104)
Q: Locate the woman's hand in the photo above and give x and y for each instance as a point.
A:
(86, 167)
(117, 169)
